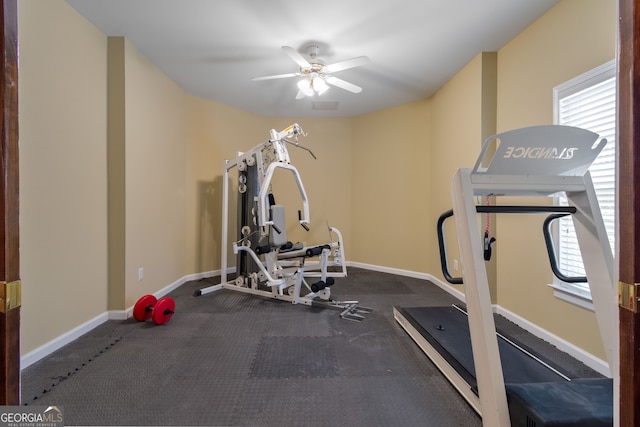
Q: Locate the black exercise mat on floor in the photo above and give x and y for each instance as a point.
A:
(230, 359)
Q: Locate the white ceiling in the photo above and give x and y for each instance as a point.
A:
(212, 48)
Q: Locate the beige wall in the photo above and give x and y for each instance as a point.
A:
(382, 178)
(404, 160)
(214, 133)
(456, 141)
(63, 180)
(572, 38)
(156, 173)
(390, 178)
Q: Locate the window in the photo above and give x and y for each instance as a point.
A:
(588, 101)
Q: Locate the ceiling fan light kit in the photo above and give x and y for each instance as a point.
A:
(313, 85)
(316, 76)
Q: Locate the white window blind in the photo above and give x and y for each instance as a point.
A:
(589, 102)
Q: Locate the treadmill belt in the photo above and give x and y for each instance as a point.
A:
(447, 329)
(537, 396)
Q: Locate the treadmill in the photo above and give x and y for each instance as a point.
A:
(507, 383)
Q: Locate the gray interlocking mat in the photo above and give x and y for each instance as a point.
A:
(230, 359)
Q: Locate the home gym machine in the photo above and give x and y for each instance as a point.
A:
(267, 264)
(506, 383)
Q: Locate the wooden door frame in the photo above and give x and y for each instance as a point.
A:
(10, 292)
(628, 134)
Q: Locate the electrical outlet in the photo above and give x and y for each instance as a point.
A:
(455, 264)
(140, 273)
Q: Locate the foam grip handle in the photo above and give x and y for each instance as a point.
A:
(286, 246)
(330, 281)
(316, 251)
(318, 286)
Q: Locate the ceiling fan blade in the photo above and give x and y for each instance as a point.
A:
(300, 95)
(303, 63)
(277, 76)
(344, 65)
(342, 84)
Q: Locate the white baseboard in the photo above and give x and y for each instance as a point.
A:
(64, 339)
(408, 273)
(75, 333)
(574, 351)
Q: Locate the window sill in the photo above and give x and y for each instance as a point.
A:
(573, 296)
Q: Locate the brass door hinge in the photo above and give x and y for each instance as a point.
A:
(10, 295)
(628, 296)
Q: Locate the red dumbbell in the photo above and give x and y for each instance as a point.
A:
(160, 311)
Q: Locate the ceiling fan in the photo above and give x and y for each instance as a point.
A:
(316, 76)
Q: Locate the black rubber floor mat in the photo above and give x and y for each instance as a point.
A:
(294, 357)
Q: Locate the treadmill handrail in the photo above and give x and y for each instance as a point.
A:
(558, 211)
(551, 251)
(444, 262)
